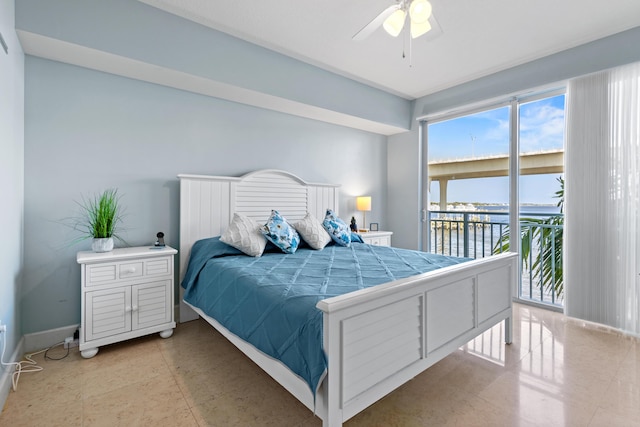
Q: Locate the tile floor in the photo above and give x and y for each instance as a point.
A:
(557, 372)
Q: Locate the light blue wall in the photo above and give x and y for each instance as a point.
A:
(86, 131)
(11, 179)
(605, 53)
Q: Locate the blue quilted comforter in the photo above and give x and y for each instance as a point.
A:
(270, 301)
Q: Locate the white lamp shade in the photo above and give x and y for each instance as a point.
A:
(363, 203)
(419, 29)
(419, 11)
(394, 23)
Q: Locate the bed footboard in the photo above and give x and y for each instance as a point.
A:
(379, 338)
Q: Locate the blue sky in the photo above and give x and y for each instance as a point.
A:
(487, 133)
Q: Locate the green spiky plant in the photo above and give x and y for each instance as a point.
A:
(547, 264)
(102, 215)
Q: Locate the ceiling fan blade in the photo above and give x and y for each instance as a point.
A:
(368, 29)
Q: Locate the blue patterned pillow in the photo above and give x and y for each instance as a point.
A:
(278, 231)
(337, 229)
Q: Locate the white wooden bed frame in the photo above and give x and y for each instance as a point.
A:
(375, 339)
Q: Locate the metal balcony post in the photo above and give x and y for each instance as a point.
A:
(466, 235)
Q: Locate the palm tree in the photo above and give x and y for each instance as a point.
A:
(536, 233)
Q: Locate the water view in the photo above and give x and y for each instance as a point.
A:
(479, 230)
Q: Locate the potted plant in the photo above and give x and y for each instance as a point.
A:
(101, 217)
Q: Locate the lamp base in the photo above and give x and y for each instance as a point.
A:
(363, 230)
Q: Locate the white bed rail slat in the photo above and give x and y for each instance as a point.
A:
(492, 297)
(381, 350)
(439, 303)
(392, 338)
(380, 328)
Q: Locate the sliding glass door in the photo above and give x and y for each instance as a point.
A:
(541, 191)
(476, 191)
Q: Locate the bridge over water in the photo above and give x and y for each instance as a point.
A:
(492, 166)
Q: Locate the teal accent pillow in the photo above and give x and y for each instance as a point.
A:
(355, 237)
(337, 229)
(278, 231)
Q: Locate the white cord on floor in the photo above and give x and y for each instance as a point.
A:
(28, 365)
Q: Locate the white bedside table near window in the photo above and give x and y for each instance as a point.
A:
(377, 238)
(125, 293)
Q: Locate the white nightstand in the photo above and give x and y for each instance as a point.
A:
(125, 293)
(377, 238)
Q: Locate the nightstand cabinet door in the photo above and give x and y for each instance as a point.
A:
(107, 313)
(151, 304)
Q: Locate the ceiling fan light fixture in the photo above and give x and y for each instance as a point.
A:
(395, 22)
(418, 29)
(420, 11)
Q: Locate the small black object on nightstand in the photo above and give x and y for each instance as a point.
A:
(160, 241)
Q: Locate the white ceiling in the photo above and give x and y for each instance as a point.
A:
(478, 38)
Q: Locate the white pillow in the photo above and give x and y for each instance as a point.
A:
(244, 235)
(312, 232)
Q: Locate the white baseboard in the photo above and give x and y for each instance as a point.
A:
(40, 340)
(7, 371)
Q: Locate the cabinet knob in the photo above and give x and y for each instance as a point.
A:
(129, 270)
(135, 308)
(127, 309)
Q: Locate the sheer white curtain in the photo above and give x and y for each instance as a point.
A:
(602, 199)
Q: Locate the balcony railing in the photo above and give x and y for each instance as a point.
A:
(477, 234)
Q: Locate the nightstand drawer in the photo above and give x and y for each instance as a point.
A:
(100, 274)
(158, 267)
(129, 270)
(380, 241)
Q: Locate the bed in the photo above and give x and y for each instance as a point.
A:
(439, 311)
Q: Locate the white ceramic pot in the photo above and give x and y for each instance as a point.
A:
(102, 245)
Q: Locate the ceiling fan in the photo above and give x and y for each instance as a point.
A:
(393, 19)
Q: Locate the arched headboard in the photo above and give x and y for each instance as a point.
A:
(207, 205)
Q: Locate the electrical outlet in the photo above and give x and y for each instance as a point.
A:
(69, 342)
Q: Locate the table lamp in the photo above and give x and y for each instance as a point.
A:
(363, 203)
